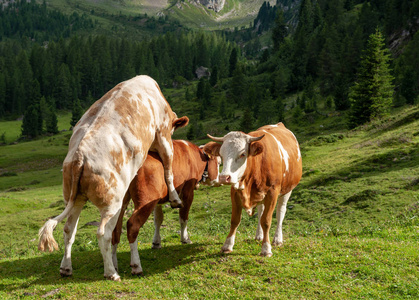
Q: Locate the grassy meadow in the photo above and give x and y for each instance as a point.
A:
(351, 230)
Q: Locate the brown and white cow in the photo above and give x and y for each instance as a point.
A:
(261, 166)
(190, 166)
(108, 146)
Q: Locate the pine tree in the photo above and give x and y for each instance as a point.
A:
(233, 61)
(279, 32)
(51, 121)
(76, 113)
(30, 122)
(372, 94)
(246, 123)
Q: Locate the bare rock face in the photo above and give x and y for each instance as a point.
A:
(215, 5)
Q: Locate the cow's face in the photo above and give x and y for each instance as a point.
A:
(214, 162)
(235, 149)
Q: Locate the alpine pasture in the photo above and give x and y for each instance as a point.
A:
(351, 229)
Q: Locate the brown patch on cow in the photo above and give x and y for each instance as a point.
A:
(94, 109)
(133, 118)
(118, 160)
(96, 189)
(113, 182)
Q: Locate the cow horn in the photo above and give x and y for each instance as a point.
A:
(217, 139)
(255, 138)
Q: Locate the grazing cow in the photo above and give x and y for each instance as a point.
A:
(260, 166)
(108, 146)
(190, 166)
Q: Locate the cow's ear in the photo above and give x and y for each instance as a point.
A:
(255, 148)
(180, 122)
(212, 149)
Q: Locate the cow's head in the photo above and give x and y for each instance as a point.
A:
(213, 167)
(236, 147)
(179, 122)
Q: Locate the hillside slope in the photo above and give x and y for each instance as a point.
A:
(189, 13)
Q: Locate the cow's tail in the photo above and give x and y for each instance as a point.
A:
(46, 237)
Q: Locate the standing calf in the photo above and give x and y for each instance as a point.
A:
(190, 166)
(108, 146)
(259, 166)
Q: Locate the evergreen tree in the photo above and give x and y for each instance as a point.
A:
(51, 121)
(214, 76)
(372, 94)
(246, 122)
(233, 61)
(30, 122)
(279, 32)
(76, 113)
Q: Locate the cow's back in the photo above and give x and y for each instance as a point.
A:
(280, 163)
(124, 123)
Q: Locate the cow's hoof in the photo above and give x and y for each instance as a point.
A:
(114, 277)
(156, 246)
(136, 272)
(188, 241)
(176, 204)
(259, 238)
(226, 251)
(267, 254)
(66, 272)
(277, 243)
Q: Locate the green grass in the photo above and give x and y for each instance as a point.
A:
(351, 229)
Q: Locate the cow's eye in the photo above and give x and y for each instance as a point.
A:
(242, 155)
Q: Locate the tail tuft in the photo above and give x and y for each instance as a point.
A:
(46, 237)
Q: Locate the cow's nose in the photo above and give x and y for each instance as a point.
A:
(225, 178)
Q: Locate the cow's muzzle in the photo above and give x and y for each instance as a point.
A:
(225, 179)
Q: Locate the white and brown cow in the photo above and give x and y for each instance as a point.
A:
(261, 166)
(108, 146)
(148, 191)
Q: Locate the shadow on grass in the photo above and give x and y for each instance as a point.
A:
(88, 266)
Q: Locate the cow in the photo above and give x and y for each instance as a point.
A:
(191, 166)
(108, 146)
(260, 167)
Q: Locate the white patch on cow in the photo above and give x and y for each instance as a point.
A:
(184, 236)
(228, 244)
(259, 230)
(266, 249)
(249, 211)
(283, 152)
(235, 143)
(135, 259)
(185, 142)
(273, 125)
(114, 257)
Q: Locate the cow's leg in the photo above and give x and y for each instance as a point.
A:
(116, 234)
(158, 220)
(266, 221)
(259, 231)
(70, 229)
(135, 222)
(236, 213)
(280, 214)
(165, 150)
(109, 217)
(187, 197)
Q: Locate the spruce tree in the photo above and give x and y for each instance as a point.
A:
(30, 122)
(51, 121)
(246, 123)
(372, 94)
(76, 113)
